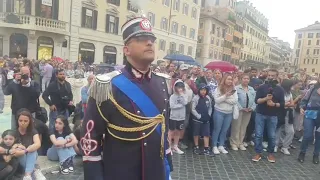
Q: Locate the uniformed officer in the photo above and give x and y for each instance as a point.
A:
(129, 107)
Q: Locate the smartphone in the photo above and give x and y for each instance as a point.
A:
(233, 91)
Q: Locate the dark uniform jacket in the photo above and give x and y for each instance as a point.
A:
(123, 160)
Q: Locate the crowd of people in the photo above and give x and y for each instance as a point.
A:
(228, 111)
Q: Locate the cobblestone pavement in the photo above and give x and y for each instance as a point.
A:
(234, 166)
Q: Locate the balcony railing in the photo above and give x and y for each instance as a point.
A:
(23, 21)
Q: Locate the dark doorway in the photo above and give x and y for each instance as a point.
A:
(18, 45)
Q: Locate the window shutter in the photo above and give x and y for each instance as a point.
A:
(95, 18)
(83, 17)
(55, 9)
(28, 7)
(107, 23)
(117, 25)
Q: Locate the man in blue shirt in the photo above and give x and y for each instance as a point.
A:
(269, 99)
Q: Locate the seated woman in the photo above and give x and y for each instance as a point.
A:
(63, 142)
(29, 144)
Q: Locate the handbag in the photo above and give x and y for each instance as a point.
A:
(235, 111)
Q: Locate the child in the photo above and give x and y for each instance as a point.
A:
(178, 101)
(8, 164)
(63, 142)
(201, 111)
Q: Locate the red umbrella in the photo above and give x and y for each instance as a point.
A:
(58, 59)
(223, 66)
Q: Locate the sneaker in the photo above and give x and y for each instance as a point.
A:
(38, 175)
(265, 145)
(177, 150)
(271, 158)
(245, 144)
(27, 177)
(182, 145)
(215, 150)
(242, 147)
(234, 147)
(256, 158)
(292, 146)
(315, 159)
(70, 165)
(207, 152)
(251, 143)
(64, 171)
(196, 150)
(300, 140)
(222, 150)
(301, 157)
(275, 149)
(285, 151)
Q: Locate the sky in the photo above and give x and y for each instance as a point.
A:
(285, 16)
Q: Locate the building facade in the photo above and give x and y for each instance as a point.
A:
(273, 54)
(306, 52)
(96, 28)
(37, 29)
(255, 34)
(237, 43)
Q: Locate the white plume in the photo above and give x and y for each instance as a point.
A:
(210, 3)
(138, 4)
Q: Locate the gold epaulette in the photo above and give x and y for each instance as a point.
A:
(101, 87)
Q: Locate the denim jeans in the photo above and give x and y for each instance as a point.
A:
(28, 161)
(222, 123)
(53, 116)
(60, 154)
(270, 122)
(308, 126)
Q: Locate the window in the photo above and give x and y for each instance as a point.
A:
(217, 2)
(164, 24)
(181, 49)
(114, 2)
(203, 3)
(316, 61)
(162, 45)
(299, 36)
(183, 30)
(173, 47)
(213, 28)
(194, 13)
(304, 61)
(318, 42)
(201, 25)
(215, 56)
(89, 18)
(308, 61)
(64, 44)
(176, 5)
(313, 70)
(297, 52)
(299, 44)
(211, 54)
(174, 28)
(151, 18)
(217, 42)
(198, 53)
(46, 9)
(318, 35)
(212, 40)
(190, 50)
(200, 39)
(192, 33)
(218, 32)
(166, 2)
(309, 42)
(185, 9)
(310, 35)
(112, 24)
(314, 52)
(308, 51)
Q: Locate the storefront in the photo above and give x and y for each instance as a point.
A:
(18, 45)
(86, 52)
(44, 48)
(109, 55)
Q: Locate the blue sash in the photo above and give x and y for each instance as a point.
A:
(143, 102)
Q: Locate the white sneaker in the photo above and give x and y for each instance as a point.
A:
(300, 140)
(245, 144)
(27, 177)
(177, 150)
(285, 151)
(38, 175)
(234, 147)
(265, 145)
(242, 147)
(275, 149)
(215, 150)
(222, 150)
(251, 143)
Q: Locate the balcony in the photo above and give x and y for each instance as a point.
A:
(22, 21)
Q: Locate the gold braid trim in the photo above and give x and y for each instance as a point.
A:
(145, 122)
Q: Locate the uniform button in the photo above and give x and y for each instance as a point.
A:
(164, 110)
(165, 99)
(143, 133)
(164, 90)
(162, 82)
(145, 144)
(138, 112)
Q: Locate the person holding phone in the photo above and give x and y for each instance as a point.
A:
(269, 99)
(225, 98)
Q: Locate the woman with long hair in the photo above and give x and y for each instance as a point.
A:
(225, 99)
(246, 104)
(29, 144)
